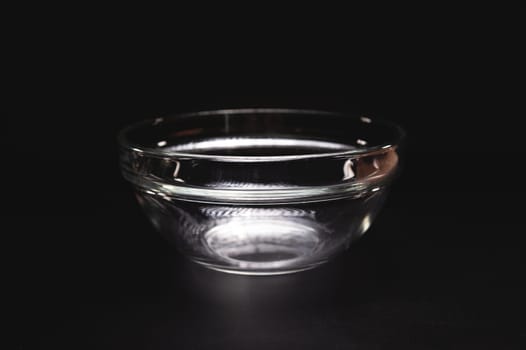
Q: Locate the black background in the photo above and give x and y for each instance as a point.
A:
(442, 267)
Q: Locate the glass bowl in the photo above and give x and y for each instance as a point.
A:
(261, 191)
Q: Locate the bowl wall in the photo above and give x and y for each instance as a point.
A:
(267, 239)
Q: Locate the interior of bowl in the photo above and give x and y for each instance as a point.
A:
(260, 133)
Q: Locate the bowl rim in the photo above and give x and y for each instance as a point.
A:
(124, 141)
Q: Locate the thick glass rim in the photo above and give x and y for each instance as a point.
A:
(125, 142)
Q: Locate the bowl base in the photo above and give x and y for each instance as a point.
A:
(257, 273)
(264, 246)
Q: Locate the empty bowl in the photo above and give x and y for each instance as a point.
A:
(261, 191)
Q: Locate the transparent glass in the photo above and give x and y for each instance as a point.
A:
(261, 191)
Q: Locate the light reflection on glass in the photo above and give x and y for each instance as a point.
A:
(220, 212)
(348, 172)
(366, 223)
(175, 174)
(361, 142)
(366, 120)
(244, 142)
(263, 243)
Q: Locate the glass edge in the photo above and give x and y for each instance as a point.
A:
(123, 142)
